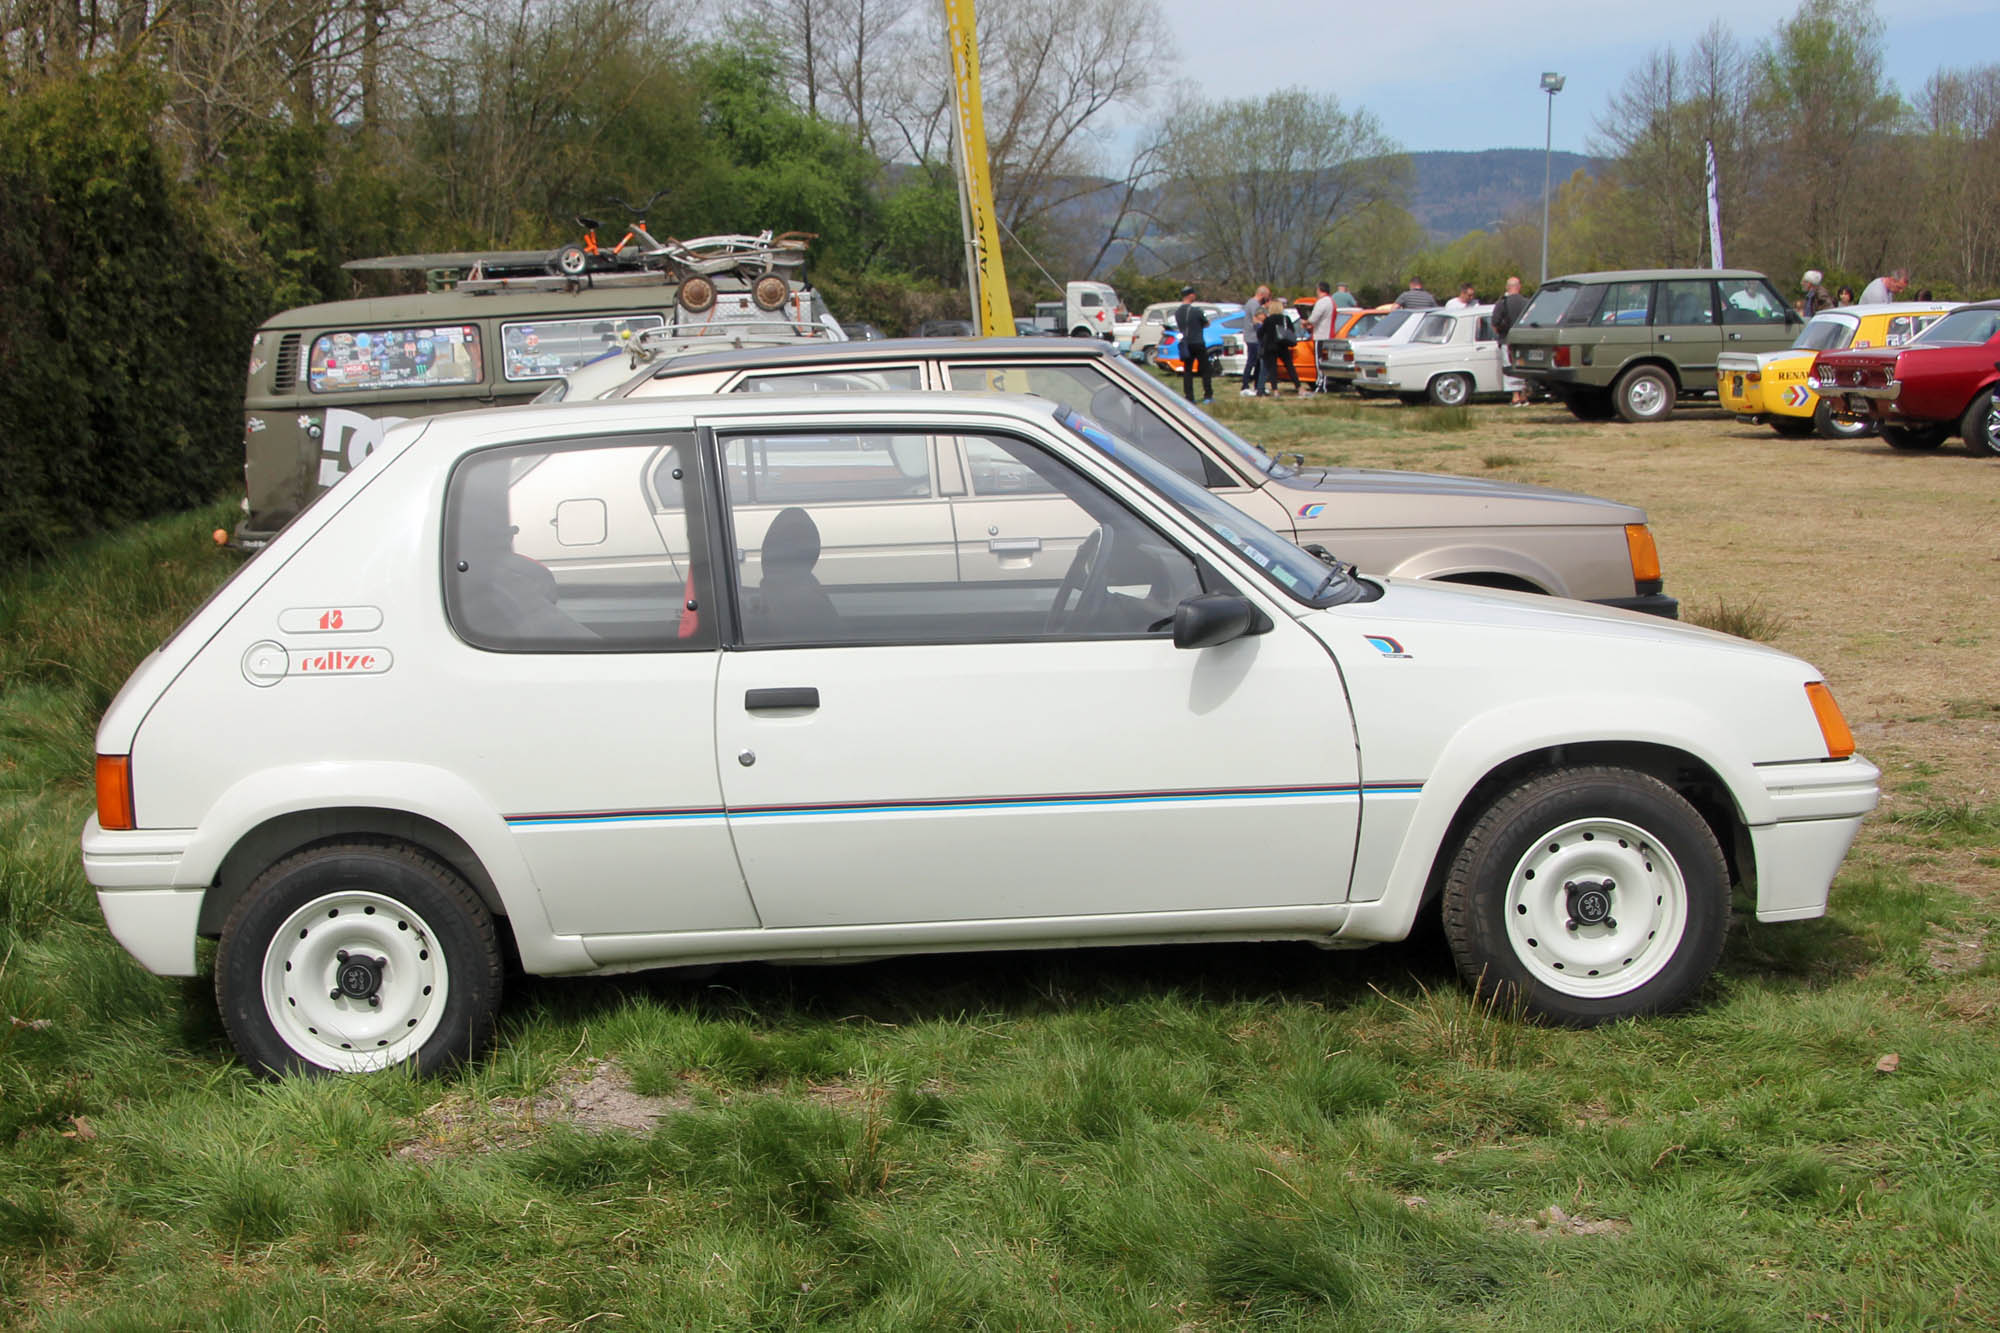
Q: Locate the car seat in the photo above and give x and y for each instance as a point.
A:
(794, 605)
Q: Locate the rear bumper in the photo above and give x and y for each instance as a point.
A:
(1819, 810)
(135, 876)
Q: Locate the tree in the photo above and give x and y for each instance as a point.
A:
(1960, 156)
(1262, 184)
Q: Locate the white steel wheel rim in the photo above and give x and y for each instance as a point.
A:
(1597, 960)
(1646, 395)
(322, 1021)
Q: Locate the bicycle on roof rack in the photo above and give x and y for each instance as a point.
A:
(769, 263)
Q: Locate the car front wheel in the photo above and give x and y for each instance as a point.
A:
(1830, 427)
(1644, 393)
(1451, 390)
(357, 956)
(1981, 427)
(1587, 895)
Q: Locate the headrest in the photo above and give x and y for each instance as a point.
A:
(792, 542)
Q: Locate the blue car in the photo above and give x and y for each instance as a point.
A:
(1224, 337)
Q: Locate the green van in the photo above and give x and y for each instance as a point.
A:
(327, 380)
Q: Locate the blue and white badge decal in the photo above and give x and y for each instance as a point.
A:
(1387, 646)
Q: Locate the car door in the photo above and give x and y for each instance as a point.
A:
(1027, 747)
(1753, 317)
(1685, 329)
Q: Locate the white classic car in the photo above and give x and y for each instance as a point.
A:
(1450, 356)
(788, 683)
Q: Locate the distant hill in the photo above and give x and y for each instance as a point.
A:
(1455, 193)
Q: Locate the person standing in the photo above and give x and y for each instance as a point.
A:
(1276, 338)
(1319, 324)
(1416, 298)
(1816, 297)
(1342, 298)
(1465, 300)
(1192, 325)
(1253, 315)
(1506, 314)
(1886, 288)
(1845, 296)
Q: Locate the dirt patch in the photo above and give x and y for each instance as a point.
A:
(1553, 1221)
(597, 1098)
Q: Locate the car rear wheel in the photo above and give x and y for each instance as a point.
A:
(357, 956)
(1981, 426)
(1587, 895)
(1644, 393)
(1915, 438)
(1793, 426)
(1830, 427)
(1588, 404)
(1451, 390)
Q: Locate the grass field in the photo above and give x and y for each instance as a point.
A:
(1163, 1138)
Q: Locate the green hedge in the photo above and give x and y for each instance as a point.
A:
(123, 333)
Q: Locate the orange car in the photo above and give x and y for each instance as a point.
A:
(1305, 362)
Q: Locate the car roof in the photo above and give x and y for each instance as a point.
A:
(1892, 308)
(449, 307)
(1655, 275)
(880, 349)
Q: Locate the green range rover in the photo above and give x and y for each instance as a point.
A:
(1632, 342)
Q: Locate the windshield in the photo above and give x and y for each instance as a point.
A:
(1827, 333)
(1434, 329)
(1301, 576)
(1208, 426)
(1961, 328)
(1548, 306)
(1386, 324)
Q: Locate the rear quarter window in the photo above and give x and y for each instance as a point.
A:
(353, 360)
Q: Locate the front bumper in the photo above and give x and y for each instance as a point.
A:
(151, 914)
(1652, 604)
(1819, 808)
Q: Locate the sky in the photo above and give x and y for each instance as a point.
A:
(1458, 74)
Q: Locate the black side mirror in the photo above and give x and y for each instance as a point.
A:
(1210, 618)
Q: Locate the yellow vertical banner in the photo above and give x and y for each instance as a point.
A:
(984, 272)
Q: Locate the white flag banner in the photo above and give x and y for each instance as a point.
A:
(1714, 210)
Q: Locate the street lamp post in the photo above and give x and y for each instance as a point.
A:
(1552, 83)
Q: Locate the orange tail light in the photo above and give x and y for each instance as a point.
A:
(1645, 554)
(1839, 740)
(114, 792)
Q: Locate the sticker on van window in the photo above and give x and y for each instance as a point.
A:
(353, 360)
(348, 437)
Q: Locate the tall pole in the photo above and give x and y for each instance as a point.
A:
(1552, 84)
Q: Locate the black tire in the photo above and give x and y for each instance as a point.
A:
(1794, 427)
(770, 291)
(363, 992)
(1915, 439)
(1980, 426)
(572, 262)
(1454, 390)
(1643, 394)
(1588, 404)
(696, 295)
(1535, 862)
(1081, 332)
(1830, 427)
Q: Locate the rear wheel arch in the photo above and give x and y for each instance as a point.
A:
(283, 835)
(1494, 579)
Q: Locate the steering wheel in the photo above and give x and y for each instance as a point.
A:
(1082, 580)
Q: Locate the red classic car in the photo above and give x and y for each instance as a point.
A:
(1940, 382)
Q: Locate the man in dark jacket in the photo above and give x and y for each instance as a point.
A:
(1192, 325)
(1506, 314)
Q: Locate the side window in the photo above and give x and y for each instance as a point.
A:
(1105, 401)
(1623, 304)
(1685, 303)
(819, 572)
(558, 548)
(828, 469)
(1748, 301)
(546, 349)
(1089, 301)
(355, 359)
(1902, 328)
(835, 381)
(1484, 333)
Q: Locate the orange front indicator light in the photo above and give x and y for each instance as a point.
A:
(114, 792)
(1645, 554)
(1839, 740)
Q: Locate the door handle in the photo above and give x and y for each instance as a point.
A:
(1006, 546)
(770, 700)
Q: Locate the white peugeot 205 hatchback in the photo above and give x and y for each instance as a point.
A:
(681, 681)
